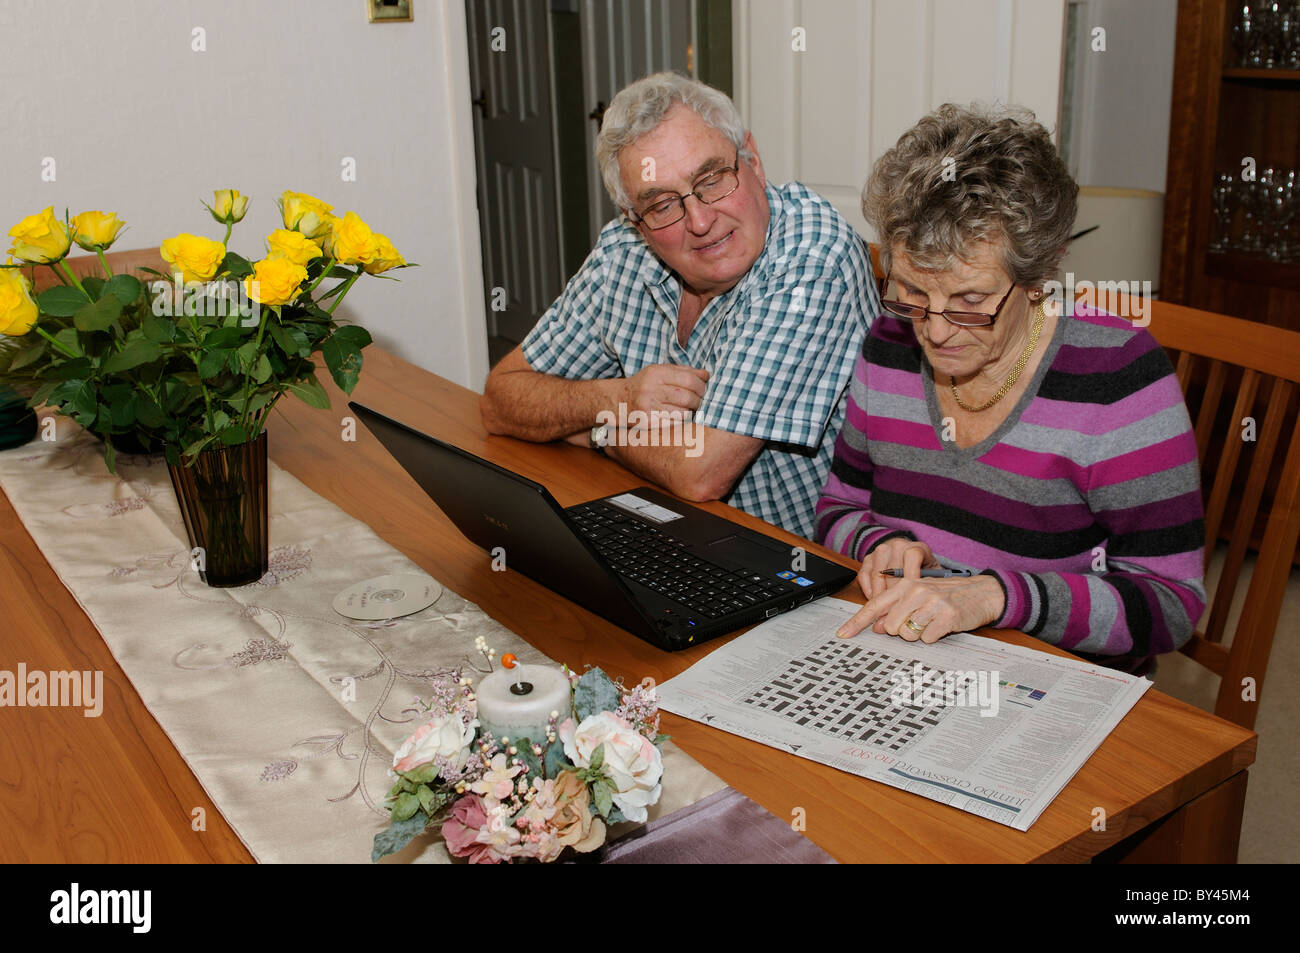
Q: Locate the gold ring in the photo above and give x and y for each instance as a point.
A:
(918, 629)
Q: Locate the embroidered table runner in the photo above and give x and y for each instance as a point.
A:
(287, 712)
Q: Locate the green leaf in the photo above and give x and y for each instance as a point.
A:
(428, 800)
(423, 774)
(594, 693)
(604, 799)
(353, 334)
(93, 287)
(134, 354)
(213, 363)
(158, 329)
(343, 361)
(99, 315)
(74, 369)
(236, 266)
(148, 412)
(398, 835)
(125, 288)
(309, 391)
(77, 398)
(233, 435)
(262, 369)
(220, 419)
(405, 806)
(61, 301)
(197, 446)
(597, 758)
(110, 455)
(123, 412)
(42, 393)
(223, 337)
(28, 355)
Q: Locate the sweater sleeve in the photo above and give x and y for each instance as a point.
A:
(845, 522)
(1145, 591)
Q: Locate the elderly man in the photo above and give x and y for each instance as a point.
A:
(730, 308)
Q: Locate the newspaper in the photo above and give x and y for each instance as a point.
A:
(993, 729)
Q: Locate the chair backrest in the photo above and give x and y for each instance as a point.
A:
(122, 262)
(1216, 353)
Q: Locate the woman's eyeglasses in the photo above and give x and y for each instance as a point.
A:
(915, 312)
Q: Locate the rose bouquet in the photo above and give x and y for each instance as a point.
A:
(199, 356)
(511, 799)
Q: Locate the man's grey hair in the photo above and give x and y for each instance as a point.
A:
(640, 107)
(962, 176)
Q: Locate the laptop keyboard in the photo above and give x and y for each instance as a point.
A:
(663, 563)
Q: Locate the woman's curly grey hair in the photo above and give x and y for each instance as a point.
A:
(641, 106)
(961, 176)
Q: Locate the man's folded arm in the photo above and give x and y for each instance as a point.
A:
(703, 464)
(520, 402)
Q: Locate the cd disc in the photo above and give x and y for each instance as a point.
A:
(387, 597)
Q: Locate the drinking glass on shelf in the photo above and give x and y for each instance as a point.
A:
(1286, 203)
(1225, 203)
(1266, 35)
(1248, 241)
(1288, 23)
(1244, 29)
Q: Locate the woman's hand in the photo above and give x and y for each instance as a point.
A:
(897, 553)
(929, 609)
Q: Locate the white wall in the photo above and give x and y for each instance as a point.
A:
(872, 68)
(1123, 94)
(141, 124)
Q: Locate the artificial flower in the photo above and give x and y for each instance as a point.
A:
(632, 763)
(443, 735)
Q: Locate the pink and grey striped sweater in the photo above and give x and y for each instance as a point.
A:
(1095, 466)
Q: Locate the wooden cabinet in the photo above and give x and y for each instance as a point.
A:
(1224, 113)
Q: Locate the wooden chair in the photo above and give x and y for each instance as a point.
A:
(1214, 353)
(122, 262)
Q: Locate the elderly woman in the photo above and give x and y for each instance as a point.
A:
(1048, 455)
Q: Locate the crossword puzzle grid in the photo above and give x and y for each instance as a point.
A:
(843, 689)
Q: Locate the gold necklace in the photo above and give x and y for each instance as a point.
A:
(1010, 382)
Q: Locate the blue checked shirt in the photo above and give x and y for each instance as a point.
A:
(779, 346)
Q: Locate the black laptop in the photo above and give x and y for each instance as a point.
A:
(660, 568)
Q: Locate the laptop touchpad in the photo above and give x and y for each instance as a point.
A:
(751, 551)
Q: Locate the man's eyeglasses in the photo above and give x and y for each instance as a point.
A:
(669, 209)
(915, 312)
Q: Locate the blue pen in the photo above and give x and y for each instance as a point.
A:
(930, 573)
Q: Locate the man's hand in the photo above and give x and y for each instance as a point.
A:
(667, 388)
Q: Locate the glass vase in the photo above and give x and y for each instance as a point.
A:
(222, 500)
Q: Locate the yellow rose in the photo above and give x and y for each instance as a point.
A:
(354, 242)
(304, 213)
(193, 257)
(275, 281)
(18, 312)
(294, 246)
(385, 258)
(93, 230)
(40, 238)
(228, 206)
(327, 239)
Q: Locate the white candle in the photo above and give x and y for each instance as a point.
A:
(504, 712)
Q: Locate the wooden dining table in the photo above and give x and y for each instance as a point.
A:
(1168, 784)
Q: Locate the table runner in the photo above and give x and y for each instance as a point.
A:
(287, 713)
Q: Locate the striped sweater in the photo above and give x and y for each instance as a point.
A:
(1085, 503)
